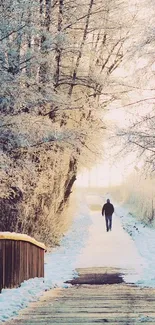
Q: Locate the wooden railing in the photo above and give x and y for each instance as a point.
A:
(21, 258)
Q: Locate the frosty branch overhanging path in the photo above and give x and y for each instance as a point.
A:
(12, 32)
(84, 16)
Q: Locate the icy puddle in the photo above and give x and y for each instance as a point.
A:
(98, 276)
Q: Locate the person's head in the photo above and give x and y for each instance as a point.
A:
(108, 201)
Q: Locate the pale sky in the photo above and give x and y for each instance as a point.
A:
(109, 173)
(105, 174)
(100, 175)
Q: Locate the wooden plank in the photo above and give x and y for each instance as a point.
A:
(1, 265)
(12, 263)
(19, 261)
(115, 304)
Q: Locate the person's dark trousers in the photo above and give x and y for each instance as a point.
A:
(108, 220)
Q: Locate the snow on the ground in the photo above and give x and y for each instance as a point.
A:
(144, 239)
(141, 269)
(110, 249)
(59, 267)
(129, 246)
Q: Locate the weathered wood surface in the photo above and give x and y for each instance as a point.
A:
(21, 258)
(21, 237)
(114, 304)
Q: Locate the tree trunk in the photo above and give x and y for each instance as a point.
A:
(58, 48)
(45, 16)
(81, 47)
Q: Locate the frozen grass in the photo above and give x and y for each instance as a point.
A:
(137, 193)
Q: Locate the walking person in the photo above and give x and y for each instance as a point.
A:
(108, 210)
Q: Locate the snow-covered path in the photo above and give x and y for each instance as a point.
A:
(110, 249)
(87, 244)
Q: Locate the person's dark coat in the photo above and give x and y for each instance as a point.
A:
(108, 209)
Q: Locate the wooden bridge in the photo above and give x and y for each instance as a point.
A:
(21, 258)
(98, 296)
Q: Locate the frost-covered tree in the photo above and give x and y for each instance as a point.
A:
(57, 60)
(137, 88)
